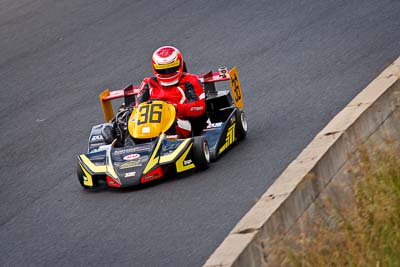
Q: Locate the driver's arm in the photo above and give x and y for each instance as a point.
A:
(196, 104)
(144, 93)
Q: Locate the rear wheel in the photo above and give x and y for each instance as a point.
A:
(201, 153)
(241, 125)
(213, 155)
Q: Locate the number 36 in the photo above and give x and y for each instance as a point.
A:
(150, 114)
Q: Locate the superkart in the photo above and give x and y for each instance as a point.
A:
(143, 151)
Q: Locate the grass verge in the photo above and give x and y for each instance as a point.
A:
(362, 232)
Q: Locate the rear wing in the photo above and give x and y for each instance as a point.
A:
(129, 94)
(223, 74)
(208, 80)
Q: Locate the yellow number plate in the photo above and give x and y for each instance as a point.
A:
(235, 88)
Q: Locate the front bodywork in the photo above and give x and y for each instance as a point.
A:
(132, 165)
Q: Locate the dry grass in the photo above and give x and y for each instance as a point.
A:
(363, 232)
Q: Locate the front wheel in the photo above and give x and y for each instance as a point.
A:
(201, 153)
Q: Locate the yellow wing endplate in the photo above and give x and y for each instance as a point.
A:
(235, 88)
(106, 105)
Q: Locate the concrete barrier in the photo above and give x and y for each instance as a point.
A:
(372, 115)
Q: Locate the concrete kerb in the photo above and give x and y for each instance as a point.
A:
(301, 182)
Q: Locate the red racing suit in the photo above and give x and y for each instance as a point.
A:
(187, 96)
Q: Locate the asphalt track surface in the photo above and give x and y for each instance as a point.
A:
(299, 62)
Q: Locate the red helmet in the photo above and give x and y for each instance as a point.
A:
(167, 65)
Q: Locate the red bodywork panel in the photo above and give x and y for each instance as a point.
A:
(112, 183)
(129, 91)
(215, 76)
(153, 175)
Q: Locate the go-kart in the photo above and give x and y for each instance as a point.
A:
(143, 151)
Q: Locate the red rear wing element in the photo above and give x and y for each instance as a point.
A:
(223, 74)
(216, 76)
(129, 93)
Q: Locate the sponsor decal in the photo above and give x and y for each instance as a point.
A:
(142, 148)
(222, 72)
(172, 137)
(104, 147)
(96, 138)
(230, 138)
(187, 162)
(130, 174)
(214, 125)
(154, 174)
(146, 130)
(130, 164)
(151, 176)
(182, 164)
(118, 152)
(132, 150)
(196, 108)
(132, 157)
(99, 148)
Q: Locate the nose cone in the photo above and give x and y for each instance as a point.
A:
(129, 162)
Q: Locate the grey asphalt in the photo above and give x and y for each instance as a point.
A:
(300, 62)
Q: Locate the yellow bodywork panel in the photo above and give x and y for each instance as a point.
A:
(106, 105)
(92, 167)
(235, 88)
(230, 138)
(172, 156)
(154, 159)
(88, 181)
(180, 163)
(150, 119)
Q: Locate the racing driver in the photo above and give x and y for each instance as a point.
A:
(173, 85)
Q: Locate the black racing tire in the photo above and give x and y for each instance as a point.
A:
(79, 173)
(241, 125)
(201, 153)
(213, 155)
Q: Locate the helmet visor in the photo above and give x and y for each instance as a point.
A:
(167, 71)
